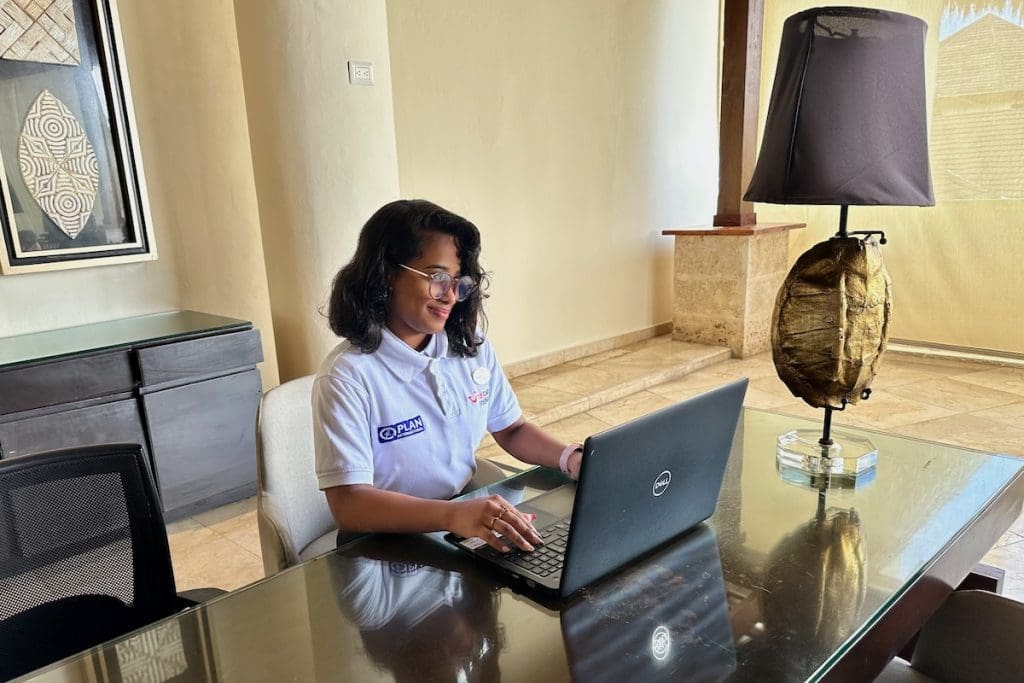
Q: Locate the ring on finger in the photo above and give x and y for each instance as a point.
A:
(502, 512)
(491, 525)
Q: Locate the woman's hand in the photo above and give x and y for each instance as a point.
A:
(484, 517)
(574, 462)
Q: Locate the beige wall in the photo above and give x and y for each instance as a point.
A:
(955, 267)
(183, 65)
(572, 133)
(323, 151)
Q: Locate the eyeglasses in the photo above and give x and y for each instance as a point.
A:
(442, 283)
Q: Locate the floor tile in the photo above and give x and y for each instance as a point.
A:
(216, 563)
(542, 404)
(577, 428)
(897, 373)
(579, 380)
(630, 408)
(183, 525)
(224, 512)
(885, 410)
(954, 395)
(1002, 379)
(969, 431)
(1012, 414)
(1010, 558)
(242, 529)
(690, 385)
(598, 358)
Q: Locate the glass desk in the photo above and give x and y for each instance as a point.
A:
(781, 584)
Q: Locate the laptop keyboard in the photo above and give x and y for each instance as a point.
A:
(547, 559)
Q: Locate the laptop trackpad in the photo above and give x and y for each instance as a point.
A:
(551, 506)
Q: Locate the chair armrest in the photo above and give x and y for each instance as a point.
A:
(197, 596)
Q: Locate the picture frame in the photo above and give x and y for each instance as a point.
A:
(72, 189)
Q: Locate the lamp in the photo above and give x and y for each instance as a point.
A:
(846, 125)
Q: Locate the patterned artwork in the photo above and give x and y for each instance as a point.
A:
(38, 31)
(58, 164)
(152, 656)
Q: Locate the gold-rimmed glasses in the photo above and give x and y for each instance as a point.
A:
(442, 283)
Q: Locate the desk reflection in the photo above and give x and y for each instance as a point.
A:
(418, 615)
(425, 613)
(665, 619)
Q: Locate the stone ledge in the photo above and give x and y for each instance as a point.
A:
(733, 230)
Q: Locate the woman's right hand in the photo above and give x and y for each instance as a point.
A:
(484, 517)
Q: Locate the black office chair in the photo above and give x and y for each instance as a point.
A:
(83, 554)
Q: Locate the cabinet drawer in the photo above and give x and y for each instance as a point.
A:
(196, 358)
(117, 422)
(66, 381)
(204, 441)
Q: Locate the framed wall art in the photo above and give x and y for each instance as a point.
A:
(73, 193)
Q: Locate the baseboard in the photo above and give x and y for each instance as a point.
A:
(525, 367)
(937, 353)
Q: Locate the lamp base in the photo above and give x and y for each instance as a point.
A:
(848, 462)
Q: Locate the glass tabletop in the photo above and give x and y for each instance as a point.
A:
(776, 586)
(134, 331)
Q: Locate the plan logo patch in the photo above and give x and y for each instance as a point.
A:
(400, 430)
(403, 568)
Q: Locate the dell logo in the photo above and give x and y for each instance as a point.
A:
(662, 482)
(661, 643)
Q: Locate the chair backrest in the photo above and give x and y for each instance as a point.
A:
(83, 552)
(974, 636)
(291, 510)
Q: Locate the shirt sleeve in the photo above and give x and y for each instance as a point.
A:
(341, 433)
(504, 406)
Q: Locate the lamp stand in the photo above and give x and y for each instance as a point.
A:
(846, 461)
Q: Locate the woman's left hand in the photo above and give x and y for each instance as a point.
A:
(573, 463)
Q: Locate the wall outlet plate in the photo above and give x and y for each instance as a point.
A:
(360, 73)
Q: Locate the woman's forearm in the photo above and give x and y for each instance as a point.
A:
(361, 507)
(364, 508)
(531, 444)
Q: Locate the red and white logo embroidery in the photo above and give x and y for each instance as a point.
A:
(477, 397)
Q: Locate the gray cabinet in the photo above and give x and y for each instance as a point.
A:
(183, 384)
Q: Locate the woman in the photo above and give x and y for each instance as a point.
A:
(402, 404)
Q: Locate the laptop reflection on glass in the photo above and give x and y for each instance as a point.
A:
(641, 484)
(663, 619)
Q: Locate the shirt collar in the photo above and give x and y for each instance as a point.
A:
(406, 362)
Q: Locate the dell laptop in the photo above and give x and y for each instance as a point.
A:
(641, 484)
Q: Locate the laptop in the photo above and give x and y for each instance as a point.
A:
(663, 619)
(641, 484)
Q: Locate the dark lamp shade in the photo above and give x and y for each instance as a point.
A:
(847, 122)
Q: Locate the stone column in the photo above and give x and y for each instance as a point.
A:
(726, 280)
(323, 151)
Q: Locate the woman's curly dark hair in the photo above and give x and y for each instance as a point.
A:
(395, 234)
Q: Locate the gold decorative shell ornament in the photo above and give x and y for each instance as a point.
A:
(831, 321)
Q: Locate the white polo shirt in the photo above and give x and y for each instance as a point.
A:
(406, 420)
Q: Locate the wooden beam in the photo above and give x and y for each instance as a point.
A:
(741, 85)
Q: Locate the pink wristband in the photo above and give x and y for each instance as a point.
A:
(563, 460)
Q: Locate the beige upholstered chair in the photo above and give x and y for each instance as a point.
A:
(294, 521)
(974, 637)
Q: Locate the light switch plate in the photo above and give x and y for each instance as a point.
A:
(360, 73)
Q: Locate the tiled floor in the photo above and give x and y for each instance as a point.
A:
(958, 402)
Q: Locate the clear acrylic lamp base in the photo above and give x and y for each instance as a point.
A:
(848, 462)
